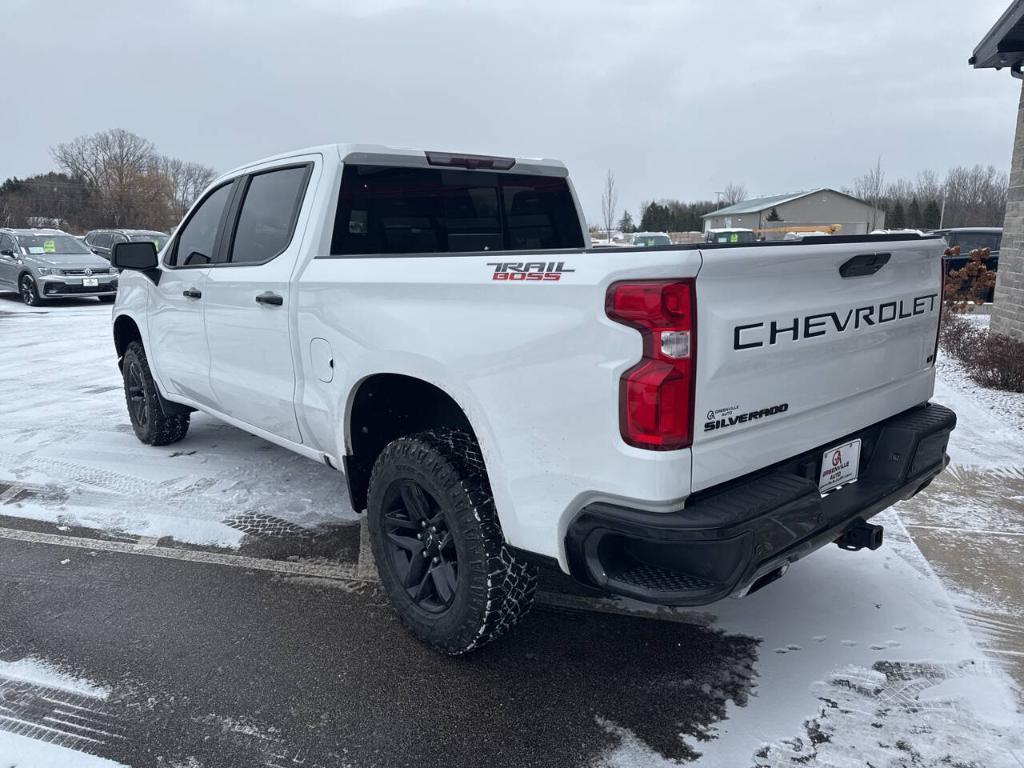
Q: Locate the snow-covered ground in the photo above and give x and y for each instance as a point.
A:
(48, 716)
(65, 439)
(892, 658)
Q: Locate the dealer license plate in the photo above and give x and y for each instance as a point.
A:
(90, 282)
(839, 465)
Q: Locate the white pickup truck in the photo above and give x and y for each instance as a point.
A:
(675, 424)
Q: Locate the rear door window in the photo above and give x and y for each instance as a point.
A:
(387, 210)
(268, 214)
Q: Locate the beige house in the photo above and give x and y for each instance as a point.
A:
(819, 210)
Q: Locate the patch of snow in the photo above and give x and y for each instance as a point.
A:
(22, 752)
(40, 672)
(881, 608)
(630, 752)
(988, 420)
(68, 437)
(895, 715)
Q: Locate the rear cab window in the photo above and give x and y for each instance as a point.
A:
(393, 210)
(969, 241)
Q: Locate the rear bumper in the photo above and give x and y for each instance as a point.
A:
(732, 536)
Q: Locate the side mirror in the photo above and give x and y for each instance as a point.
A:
(7, 252)
(140, 256)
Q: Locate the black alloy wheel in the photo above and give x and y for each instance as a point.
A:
(138, 404)
(420, 546)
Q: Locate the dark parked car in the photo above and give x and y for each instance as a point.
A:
(969, 239)
(102, 241)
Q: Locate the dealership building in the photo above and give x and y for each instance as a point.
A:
(819, 210)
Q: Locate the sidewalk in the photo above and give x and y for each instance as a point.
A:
(969, 524)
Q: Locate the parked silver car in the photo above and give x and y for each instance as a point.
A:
(49, 264)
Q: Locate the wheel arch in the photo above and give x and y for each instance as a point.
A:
(385, 406)
(126, 330)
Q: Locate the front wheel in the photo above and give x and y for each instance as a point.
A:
(29, 292)
(438, 544)
(152, 426)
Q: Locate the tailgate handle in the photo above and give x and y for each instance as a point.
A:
(864, 264)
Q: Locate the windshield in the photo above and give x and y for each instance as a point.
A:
(732, 237)
(968, 241)
(649, 240)
(38, 245)
(155, 238)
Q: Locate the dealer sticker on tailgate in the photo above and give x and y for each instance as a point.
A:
(839, 465)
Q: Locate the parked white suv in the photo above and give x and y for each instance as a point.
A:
(673, 424)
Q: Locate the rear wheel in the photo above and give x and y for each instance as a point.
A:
(29, 291)
(145, 405)
(438, 544)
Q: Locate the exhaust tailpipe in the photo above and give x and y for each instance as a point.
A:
(859, 535)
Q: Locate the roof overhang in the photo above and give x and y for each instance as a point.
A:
(1003, 45)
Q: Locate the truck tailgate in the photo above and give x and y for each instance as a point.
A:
(792, 354)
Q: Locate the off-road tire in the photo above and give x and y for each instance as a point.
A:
(493, 590)
(156, 427)
(29, 291)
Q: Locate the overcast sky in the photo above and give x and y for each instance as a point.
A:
(677, 97)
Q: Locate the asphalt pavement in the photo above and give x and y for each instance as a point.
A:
(216, 665)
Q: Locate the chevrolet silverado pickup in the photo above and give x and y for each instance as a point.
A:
(673, 424)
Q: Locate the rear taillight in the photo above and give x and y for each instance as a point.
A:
(942, 304)
(656, 394)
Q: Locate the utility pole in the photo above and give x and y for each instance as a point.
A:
(942, 211)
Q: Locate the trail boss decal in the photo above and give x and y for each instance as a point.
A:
(528, 270)
(755, 335)
(742, 418)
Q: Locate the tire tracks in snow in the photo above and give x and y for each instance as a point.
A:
(85, 485)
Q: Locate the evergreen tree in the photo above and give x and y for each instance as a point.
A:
(914, 215)
(656, 218)
(773, 215)
(626, 223)
(932, 215)
(897, 219)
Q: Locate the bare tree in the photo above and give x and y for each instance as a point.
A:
(132, 184)
(124, 169)
(734, 193)
(187, 180)
(609, 202)
(927, 186)
(974, 196)
(869, 188)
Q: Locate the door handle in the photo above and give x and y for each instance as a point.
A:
(192, 293)
(269, 297)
